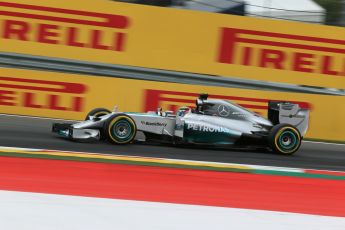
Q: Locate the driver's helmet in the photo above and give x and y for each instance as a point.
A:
(199, 105)
(204, 107)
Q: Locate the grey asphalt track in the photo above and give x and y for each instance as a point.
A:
(36, 133)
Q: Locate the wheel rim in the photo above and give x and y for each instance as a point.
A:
(288, 140)
(122, 130)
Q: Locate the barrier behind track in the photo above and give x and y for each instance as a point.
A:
(130, 72)
(172, 39)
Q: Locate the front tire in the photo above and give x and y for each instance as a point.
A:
(98, 112)
(120, 129)
(284, 139)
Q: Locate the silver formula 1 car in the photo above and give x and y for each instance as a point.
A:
(211, 123)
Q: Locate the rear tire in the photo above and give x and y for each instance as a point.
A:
(98, 112)
(120, 129)
(284, 139)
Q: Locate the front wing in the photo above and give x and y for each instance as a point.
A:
(68, 131)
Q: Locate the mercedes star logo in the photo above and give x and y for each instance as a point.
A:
(223, 111)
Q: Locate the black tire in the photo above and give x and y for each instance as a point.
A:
(120, 129)
(97, 113)
(284, 139)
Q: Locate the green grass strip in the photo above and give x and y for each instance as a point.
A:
(298, 174)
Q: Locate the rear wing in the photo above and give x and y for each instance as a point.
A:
(289, 113)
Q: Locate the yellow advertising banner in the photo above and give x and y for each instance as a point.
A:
(68, 96)
(181, 40)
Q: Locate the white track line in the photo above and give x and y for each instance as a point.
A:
(37, 211)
